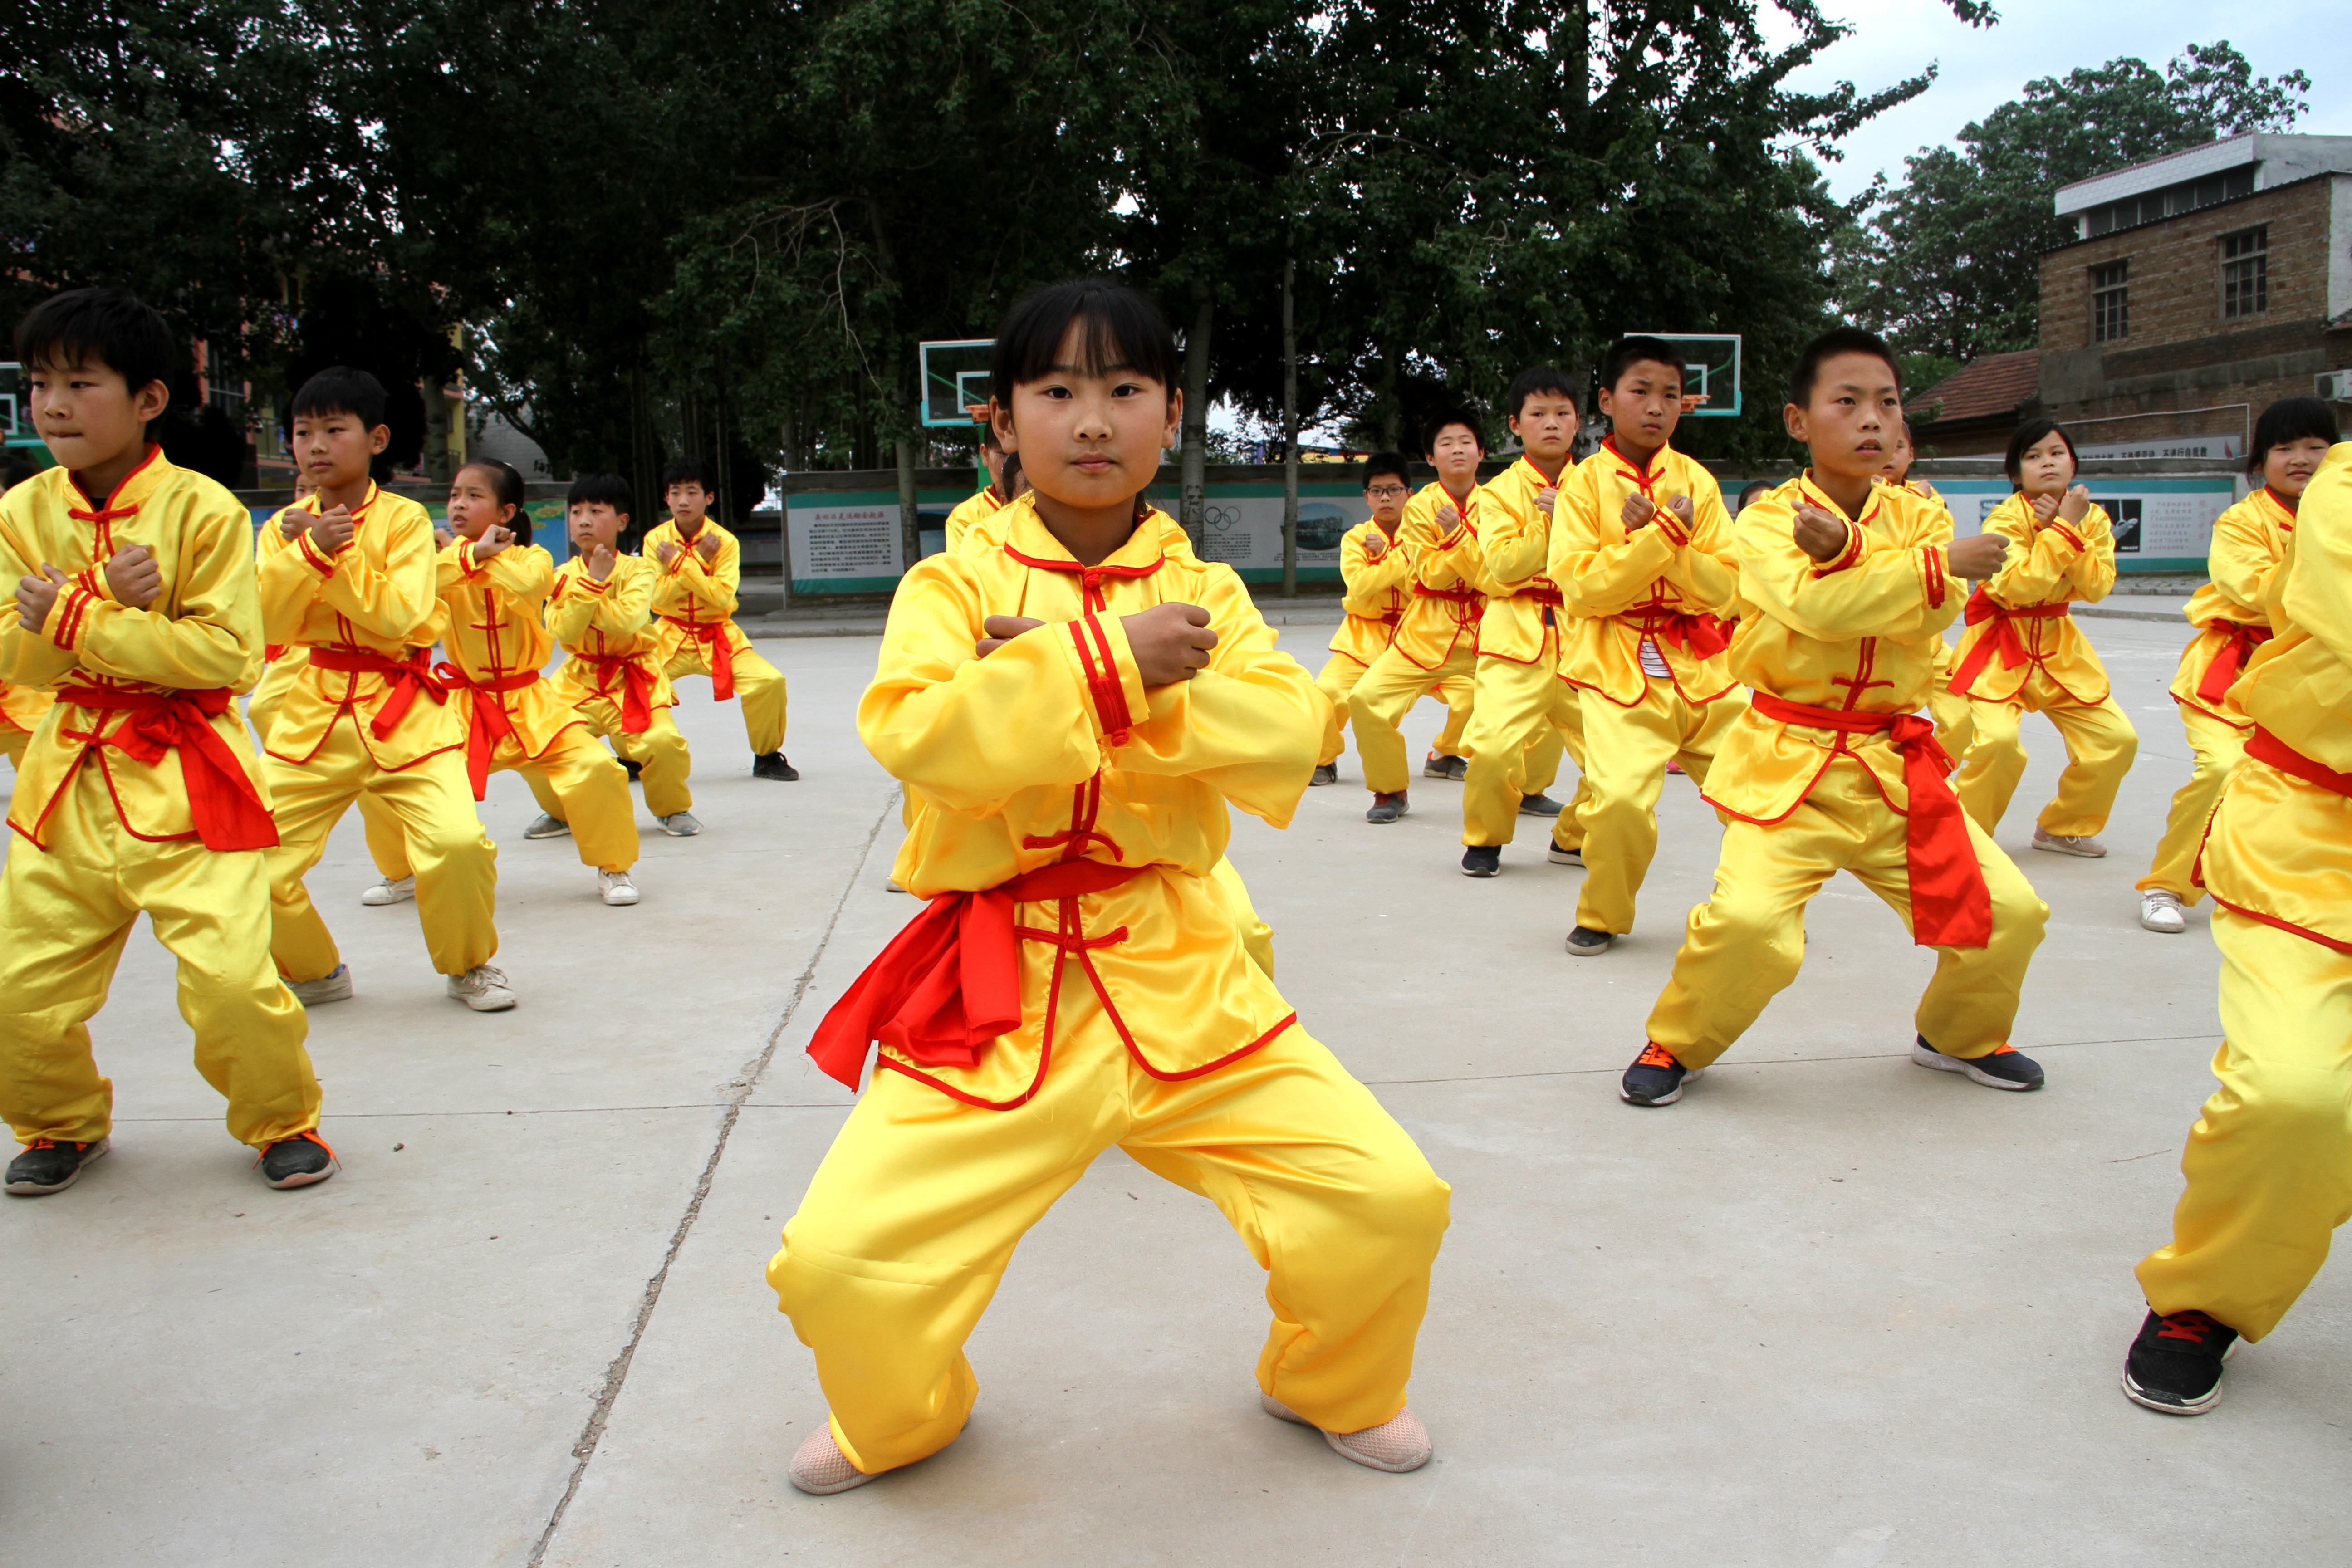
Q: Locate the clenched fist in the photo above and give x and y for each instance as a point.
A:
(1171, 642)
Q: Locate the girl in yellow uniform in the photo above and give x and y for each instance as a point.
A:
(1078, 708)
(2269, 1163)
(2290, 439)
(2024, 654)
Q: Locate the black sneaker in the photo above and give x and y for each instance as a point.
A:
(1560, 855)
(1538, 805)
(1655, 1077)
(2175, 1366)
(1325, 772)
(298, 1162)
(634, 770)
(49, 1165)
(1481, 859)
(771, 765)
(1586, 943)
(2003, 1069)
(1388, 807)
(1449, 767)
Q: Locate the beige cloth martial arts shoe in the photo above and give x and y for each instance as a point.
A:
(391, 890)
(1396, 1445)
(2082, 844)
(820, 1468)
(483, 988)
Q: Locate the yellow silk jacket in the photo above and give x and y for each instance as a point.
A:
(606, 627)
(204, 633)
(1650, 585)
(1521, 622)
(1051, 748)
(23, 706)
(493, 630)
(694, 599)
(1447, 604)
(968, 511)
(1379, 590)
(376, 594)
(2250, 540)
(2054, 564)
(2280, 849)
(1857, 633)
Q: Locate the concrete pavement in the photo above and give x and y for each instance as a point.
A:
(1830, 1308)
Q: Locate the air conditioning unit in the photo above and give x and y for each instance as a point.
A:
(2335, 385)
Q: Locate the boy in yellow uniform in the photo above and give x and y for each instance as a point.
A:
(990, 498)
(139, 794)
(2269, 1163)
(699, 568)
(348, 575)
(1844, 583)
(2024, 654)
(601, 611)
(1524, 712)
(494, 586)
(1078, 708)
(1437, 640)
(1643, 549)
(2292, 438)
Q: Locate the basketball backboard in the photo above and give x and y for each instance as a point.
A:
(1710, 370)
(955, 380)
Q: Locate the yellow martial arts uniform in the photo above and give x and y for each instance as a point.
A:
(1801, 803)
(1437, 641)
(365, 715)
(1379, 589)
(22, 708)
(981, 503)
(1647, 645)
(2269, 1163)
(1955, 720)
(1141, 1022)
(515, 720)
(103, 834)
(695, 600)
(2250, 540)
(2029, 657)
(1525, 713)
(612, 675)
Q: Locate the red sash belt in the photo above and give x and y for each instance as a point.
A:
(2229, 660)
(1543, 594)
(491, 724)
(949, 982)
(717, 652)
(408, 676)
(636, 687)
(222, 802)
(2004, 636)
(2266, 747)
(1701, 636)
(1950, 905)
(1467, 602)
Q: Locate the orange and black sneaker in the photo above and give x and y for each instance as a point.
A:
(298, 1162)
(2004, 1067)
(1388, 807)
(50, 1165)
(2175, 1364)
(1655, 1077)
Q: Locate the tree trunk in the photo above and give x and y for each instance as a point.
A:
(1289, 432)
(1194, 511)
(910, 521)
(438, 463)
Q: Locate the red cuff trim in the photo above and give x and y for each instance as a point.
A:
(1672, 526)
(1103, 683)
(2066, 533)
(1934, 577)
(69, 614)
(466, 562)
(1844, 558)
(587, 584)
(324, 565)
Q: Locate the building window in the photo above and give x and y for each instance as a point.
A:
(2245, 273)
(2110, 302)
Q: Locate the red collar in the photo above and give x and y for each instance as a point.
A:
(87, 512)
(2284, 505)
(1640, 475)
(1806, 486)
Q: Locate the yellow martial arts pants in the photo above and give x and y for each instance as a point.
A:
(911, 1220)
(277, 678)
(759, 687)
(13, 741)
(64, 917)
(1339, 677)
(1955, 721)
(660, 752)
(2218, 748)
(576, 781)
(1626, 751)
(1745, 944)
(2269, 1163)
(1524, 716)
(456, 864)
(2100, 745)
(1225, 885)
(1382, 696)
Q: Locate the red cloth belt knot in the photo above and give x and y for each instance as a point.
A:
(2229, 661)
(409, 675)
(717, 652)
(949, 983)
(637, 685)
(222, 802)
(1543, 593)
(2003, 638)
(1700, 636)
(1950, 905)
(1090, 578)
(491, 724)
(2268, 748)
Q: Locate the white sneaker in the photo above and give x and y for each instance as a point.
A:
(2082, 844)
(2160, 910)
(821, 1469)
(617, 887)
(483, 988)
(679, 824)
(335, 987)
(547, 827)
(390, 891)
(1396, 1445)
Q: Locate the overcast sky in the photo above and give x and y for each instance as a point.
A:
(1984, 68)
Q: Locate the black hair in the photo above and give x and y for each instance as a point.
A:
(1829, 345)
(18, 465)
(588, 489)
(692, 471)
(2291, 419)
(1529, 382)
(1460, 414)
(988, 437)
(97, 326)
(1012, 472)
(1388, 463)
(1627, 351)
(2029, 435)
(1123, 327)
(1750, 490)
(507, 489)
(339, 389)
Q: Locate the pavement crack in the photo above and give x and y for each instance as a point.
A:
(740, 1086)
